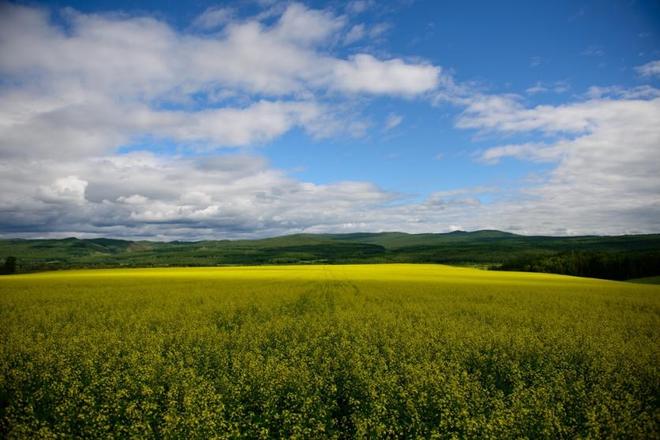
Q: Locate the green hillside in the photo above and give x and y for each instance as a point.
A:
(622, 257)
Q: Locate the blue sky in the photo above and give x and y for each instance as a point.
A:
(421, 116)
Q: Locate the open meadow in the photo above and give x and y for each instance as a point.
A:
(327, 352)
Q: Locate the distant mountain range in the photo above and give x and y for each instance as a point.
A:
(487, 248)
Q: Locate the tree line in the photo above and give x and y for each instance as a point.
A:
(9, 266)
(607, 265)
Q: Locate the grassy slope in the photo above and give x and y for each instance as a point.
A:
(327, 351)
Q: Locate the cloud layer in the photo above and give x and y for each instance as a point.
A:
(103, 81)
(79, 91)
(606, 161)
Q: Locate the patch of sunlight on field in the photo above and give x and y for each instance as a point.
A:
(345, 351)
(379, 272)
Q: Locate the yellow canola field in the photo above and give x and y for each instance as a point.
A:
(336, 351)
(435, 273)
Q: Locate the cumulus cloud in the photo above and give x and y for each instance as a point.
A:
(76, 88)
(650, 69)
(303, 26)
(595, 187)
(104, 80)
(142, 194)
(505, 113)
(606, 162)
(365, 73)
(260, 122)
(64, 189)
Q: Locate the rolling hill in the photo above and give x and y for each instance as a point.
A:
(617, 257)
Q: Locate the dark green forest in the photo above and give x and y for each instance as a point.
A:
(609, 257)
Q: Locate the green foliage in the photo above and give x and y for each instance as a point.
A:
(327, 352)
(9, 266)
(614, 266)
(482, 248)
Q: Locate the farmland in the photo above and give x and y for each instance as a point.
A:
(327, 351)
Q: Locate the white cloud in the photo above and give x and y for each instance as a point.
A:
(378, 30)
(213, 17)
(261, 122)
(72, 95)
(649, 69)
(356, 33)
(358, 6)
(392, 121)
(108, 80)
(140, 194)
(532, 152)
(364, 73)
(605, 175)
(300, 25)
(145, 58)
(96, 127)
(506, 113)
(360, 31)
(595, 187)
(544, 87)
(617, 92)
(537, 88)
(445, 199)
(64, 189)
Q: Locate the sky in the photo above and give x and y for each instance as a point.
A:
(197, 120)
